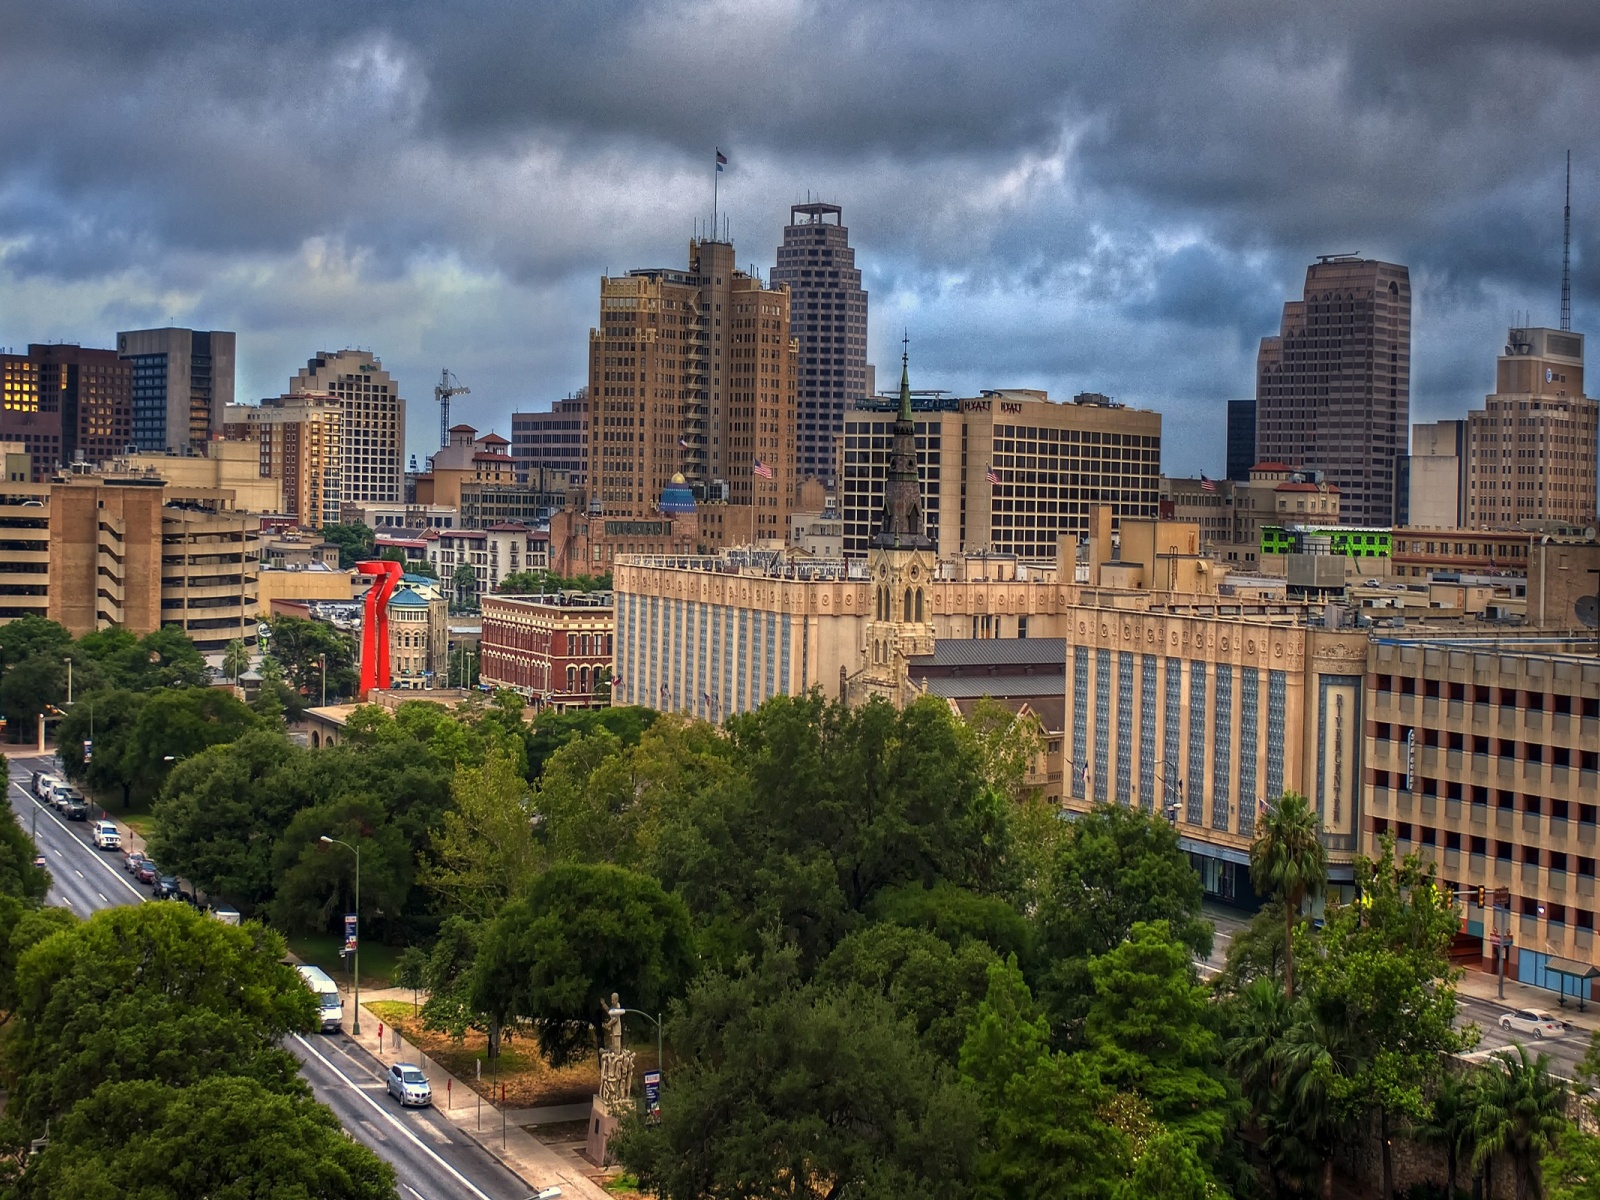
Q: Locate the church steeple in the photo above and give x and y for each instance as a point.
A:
(901, 525)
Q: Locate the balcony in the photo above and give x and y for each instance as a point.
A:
(1559, 830)
(1477, 865)
(1502, 819)
(1430, 806)
(1502, 870)
(1451, 860)
(1558, 881)
(1479, 814)
(1405, 803)
(1452, 811)
(1533, 772)
(1529, 874)
(1533, 719)
(1530, 822)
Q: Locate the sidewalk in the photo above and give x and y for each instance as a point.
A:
(539, 1165)
(1481, 985)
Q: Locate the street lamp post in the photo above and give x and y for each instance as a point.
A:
(69, 680)
(656, 1021)
(324, 657)
(355, 1023)
(1174, 787)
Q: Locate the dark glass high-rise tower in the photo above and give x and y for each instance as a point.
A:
(828, 317)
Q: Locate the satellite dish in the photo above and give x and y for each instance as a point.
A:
(1588, 610)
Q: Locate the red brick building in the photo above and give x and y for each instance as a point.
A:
(554, 649)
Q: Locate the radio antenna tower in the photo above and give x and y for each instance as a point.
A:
(1566, 254)
(447, 386)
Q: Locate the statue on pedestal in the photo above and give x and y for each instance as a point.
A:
(616, 1064)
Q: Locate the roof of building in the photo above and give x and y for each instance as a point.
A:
(1272, 466)
(985, 652)
(676, 496)
(463, 429)
(506, 527)
(490, 456)
(495, 439)
(407, 598)
(1306, 487)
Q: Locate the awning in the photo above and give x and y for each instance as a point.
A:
(1208, 850)
(1568, 966)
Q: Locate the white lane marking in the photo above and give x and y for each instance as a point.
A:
(77, 872)
(414, 1192)
(102, 896)
(117, 875)
(389, 1117)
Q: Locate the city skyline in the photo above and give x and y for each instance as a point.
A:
(1028, 225)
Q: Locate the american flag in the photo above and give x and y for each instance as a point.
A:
(684, 443)
(722, 160)
(1207, 484)
(705, 698)
(663, 691)
(992, 475)
(761, 469)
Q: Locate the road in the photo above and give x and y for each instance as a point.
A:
(432, 1160)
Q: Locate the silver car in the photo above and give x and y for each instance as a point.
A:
(409, 1085)
(1527, 1020)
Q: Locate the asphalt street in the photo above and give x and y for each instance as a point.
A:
(432, 1160)
(1563, 1052)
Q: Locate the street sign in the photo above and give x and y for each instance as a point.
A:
(88, 750)
(652, 1096)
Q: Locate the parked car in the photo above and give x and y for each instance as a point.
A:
(77, 809)
(38, 860)
(409, 1085)
(64, 794)
(107, 836)
(147, 872)
(167, 888)
(132, 858)
(1527, 1020)
(44, 786)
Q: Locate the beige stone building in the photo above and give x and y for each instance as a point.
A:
(1483, 754)
(297, 438)
(693, 372)
(418, 635)
(372, 423)
(316, 582)
(1232, 514)
(231, 469)
(24, 538)
(135, 551)
(1531, 448)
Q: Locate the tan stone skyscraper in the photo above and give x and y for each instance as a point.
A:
(1530, 452)
(693, 372)
(299, 443)
(1333, 389)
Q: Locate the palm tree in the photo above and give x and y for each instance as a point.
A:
(236, 659)
(1287, 860)
(1449, 1123)
(1520, 1113)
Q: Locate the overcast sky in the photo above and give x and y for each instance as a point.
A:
(1073, 196)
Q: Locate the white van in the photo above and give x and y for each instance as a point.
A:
(327, 993)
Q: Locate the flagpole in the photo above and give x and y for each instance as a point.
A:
(716, 170)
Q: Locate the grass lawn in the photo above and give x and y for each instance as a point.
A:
(322, 950)
(530, 1081)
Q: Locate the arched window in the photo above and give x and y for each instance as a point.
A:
(907, 606)
(583, 679)
(919, 604)
(572, 678)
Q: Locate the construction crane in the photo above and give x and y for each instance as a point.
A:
(447, 386)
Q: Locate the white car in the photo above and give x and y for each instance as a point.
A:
(407, 1084)
(1526, 1020)
(107, 836)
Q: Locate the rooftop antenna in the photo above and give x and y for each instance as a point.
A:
(1566, 254)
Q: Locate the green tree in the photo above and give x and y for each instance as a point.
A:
(465, 582)
(158, 992)
(1571, 1171)
(23, 926)
(118, 762)
(484, 852)
(1043, 1135)
(799, 1093)
(577, 934)
(301, 647)
(411, 971)
(1169, 1169)
(355, 542)
(236, 659)
(166, 658)
(1448, 1123)
(177, 723)
(19, 878)
(528, 583)
(1149, 1031)
(224, 1136)
(1287, 860)
(552, 730)
(30, 635)
(1521, 1114)
(37, 684)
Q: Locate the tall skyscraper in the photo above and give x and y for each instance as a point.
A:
(27, 418)
(372, 422)
(298, 438)
(693, 372)
(182, 383)
(1241, 439)
(1530, 450)
(557, 440)
(828, 317)
(1333, 389)
(93, 392)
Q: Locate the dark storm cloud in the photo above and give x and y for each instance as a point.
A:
(449, 179)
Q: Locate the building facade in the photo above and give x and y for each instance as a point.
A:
(1531, 450)
(554, 441)
(1008, 472)
(555, 650)
(1483, 754)
(1333, 387)
(297, 438)
(1436, 476)
(93, 392)
(182, 383)
(418, 635)
(828, 321)
(28, 418)
(1241, 448)
(693, 373)
(24, 538)
(372, 423)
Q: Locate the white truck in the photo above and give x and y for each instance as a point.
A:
(330, 1006)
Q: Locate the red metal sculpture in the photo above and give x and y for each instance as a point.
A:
(375, 625)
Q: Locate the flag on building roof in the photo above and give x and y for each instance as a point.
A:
(992, 475)
(760, 468)
(1207, 484)
(722, 160)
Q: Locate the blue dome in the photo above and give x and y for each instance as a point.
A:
(676, 496)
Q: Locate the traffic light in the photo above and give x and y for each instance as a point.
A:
(1483, 895)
